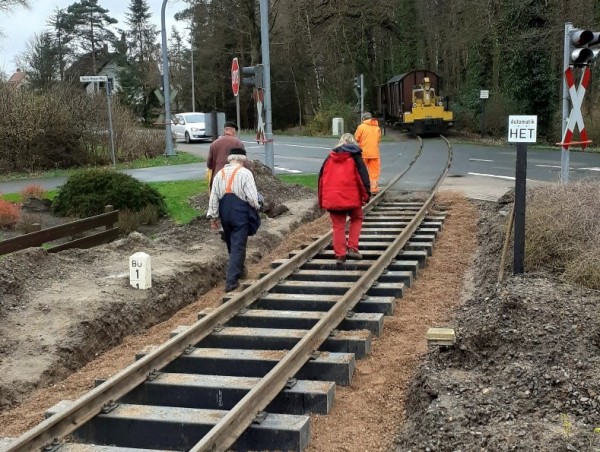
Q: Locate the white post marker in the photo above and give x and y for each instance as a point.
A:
(140, 271)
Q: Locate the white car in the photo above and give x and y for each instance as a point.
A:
(190, 127)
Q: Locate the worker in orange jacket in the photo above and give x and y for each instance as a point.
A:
(368, 136)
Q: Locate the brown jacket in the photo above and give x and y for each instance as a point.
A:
(219, 151)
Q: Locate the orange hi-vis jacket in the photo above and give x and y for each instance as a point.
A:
(368, 136)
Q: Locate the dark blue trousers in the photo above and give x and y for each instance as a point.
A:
(235, 219)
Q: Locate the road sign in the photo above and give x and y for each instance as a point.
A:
(104, 78)
(484, 94)
(235, 77)
(93, 78)
(522, 129)
(575, 117)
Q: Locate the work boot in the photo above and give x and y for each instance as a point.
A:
(232, 288)
(353, 253)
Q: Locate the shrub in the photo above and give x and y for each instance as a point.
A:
(320, 124)
(87, 192)
(563, 224)
(149, 215)
(63, 127)
(29, 223)
(128, 221)
(9, 214)
(32, 191)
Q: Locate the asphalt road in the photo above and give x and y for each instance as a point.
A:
(298, 155)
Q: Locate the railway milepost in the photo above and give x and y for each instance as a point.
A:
(521, 130)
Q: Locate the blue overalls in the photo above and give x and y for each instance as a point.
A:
(239, 220)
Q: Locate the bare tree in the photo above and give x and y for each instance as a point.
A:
(8, 5)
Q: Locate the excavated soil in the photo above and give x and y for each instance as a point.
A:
(522, 375)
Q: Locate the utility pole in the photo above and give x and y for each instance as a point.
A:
(264, 35)
(169, 152)
(192, 62)
(362, 95)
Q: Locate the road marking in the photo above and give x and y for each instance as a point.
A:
(480, 160)
(303, 146)
(291, 145)
(497, 177)
(548, 166)
(591, 169)
(288, 170)
(492, 175)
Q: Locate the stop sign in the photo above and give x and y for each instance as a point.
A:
(235, 77)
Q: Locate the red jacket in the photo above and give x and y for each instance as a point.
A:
(341, 187)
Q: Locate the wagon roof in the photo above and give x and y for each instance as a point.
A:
(397, 78)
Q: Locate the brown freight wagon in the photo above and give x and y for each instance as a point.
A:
(412, 101)
(395, 95)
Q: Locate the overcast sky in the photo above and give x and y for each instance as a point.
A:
(19, 26)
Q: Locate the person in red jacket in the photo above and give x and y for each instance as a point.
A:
(344, 188)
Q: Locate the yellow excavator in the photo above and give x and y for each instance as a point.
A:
(428, 114)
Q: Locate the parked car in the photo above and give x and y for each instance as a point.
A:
(194, 126)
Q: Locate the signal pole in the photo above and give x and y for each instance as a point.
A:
(362, 95)
(264, 35)
(165, 66)
(564, 150)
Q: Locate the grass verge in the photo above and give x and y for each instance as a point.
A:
(308, 180)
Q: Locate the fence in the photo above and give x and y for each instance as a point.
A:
(33, 239)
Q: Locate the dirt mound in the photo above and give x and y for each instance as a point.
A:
(275, 191)
(524, 372)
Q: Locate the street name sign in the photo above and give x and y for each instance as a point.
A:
(522, 129)
(93, 78)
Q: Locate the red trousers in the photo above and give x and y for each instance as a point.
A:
(338, 220)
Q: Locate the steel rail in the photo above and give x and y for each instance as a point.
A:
(90, 404)
(224, 434)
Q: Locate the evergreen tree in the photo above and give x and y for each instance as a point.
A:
(62, 35)
(139, 76)
(42, 61)
(89, 22)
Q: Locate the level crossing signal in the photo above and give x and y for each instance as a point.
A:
(581, 42)
(255, 76)
(357, 86)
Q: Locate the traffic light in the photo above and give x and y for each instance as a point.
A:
(357, 85)
(255, 76)
(580, 50)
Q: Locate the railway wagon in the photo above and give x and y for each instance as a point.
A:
(412, 101)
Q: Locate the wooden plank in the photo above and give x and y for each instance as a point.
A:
(57, 232)
(89, 241)
(441, 336)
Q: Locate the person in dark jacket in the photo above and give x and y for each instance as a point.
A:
(234, 201)
(344, 187)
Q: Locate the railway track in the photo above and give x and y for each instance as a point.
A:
(248, 374)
